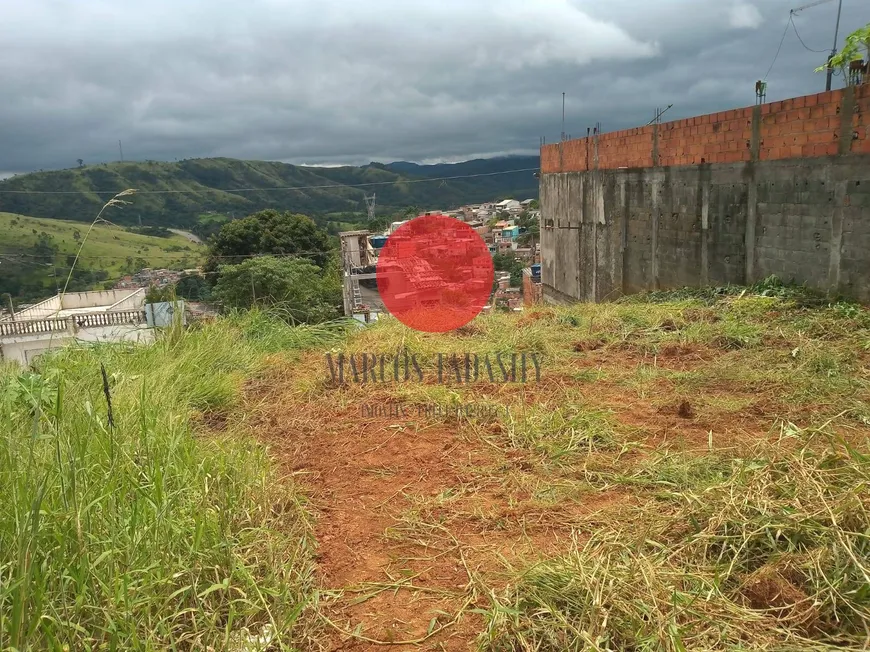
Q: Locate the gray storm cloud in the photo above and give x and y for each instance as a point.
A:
(340, 81)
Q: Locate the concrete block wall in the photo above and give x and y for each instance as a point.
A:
(733, 197)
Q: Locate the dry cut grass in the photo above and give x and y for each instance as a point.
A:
(732, 428)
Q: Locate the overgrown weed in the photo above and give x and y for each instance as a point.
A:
(142, 535)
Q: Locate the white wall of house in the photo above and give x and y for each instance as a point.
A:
(139, 334)
(25, 348)
(107, 298)
(40, 310)
(133, 301)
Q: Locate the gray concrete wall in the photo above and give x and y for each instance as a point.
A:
(610, 232)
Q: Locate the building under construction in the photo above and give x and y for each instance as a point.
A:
(359, 258)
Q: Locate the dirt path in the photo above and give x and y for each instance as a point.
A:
(390, 579)
(412, 515)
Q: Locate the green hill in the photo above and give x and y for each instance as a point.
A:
(36, 254)
(180, 194)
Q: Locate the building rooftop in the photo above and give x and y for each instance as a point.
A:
(81, 303)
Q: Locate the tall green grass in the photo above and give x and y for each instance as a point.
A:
(146, 535)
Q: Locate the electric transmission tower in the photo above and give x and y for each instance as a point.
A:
(370, 205)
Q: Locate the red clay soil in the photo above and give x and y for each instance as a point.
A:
(412, 512)
(396, 563)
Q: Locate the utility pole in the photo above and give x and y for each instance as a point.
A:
(830, 71)
(834, 49)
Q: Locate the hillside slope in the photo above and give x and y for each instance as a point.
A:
(184, 190)
(36, 254)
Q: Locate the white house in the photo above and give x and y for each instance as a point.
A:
(102, 316)
(509, 205)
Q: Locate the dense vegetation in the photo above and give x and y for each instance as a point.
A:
(268, 232)
(294, 288)
(508, 262)
(282, 261)
(194, 193)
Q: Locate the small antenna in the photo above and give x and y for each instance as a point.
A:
(121, 149)
(563, 115)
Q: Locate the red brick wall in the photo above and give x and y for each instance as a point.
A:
(802, 126)
(531, 291)
(628, 148)
(722, 137)
(805, 126)
(861, 120)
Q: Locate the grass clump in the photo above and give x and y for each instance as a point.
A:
(773, 556)
(772, 286)
(559, 434)
(141, 535)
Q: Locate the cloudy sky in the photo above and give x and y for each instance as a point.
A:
(347, 81)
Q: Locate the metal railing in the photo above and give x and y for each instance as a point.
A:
(72, 323)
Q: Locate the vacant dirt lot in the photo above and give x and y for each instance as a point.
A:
(689, 474)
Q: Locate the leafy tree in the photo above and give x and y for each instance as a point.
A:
(268, 232)
(80, 162)
(856, 48)
(526, 219)
(193, 288)
(159, 294)
(377, 225)
(531, 236)
(509, 263)
(296, 287)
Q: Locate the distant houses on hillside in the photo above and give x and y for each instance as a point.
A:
(497, 223)
(149, 277)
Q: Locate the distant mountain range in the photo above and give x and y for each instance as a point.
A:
(190, 189)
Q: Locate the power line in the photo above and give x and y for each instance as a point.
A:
(791, 18)
(333, 186)
(784, 32)
(17, 258)
(181, 255)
